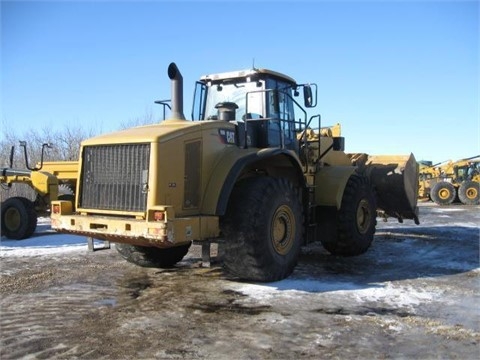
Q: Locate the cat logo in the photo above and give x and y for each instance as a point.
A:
(227, 136)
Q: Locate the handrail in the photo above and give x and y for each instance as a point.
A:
(281, 121)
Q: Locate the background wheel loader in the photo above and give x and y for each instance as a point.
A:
(252, 172)
(26, 193)
(451, 181)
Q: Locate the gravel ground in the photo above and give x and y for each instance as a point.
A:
(414, 294)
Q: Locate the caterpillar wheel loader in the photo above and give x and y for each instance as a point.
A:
(48, 180)
(451, 181)
(252, 172)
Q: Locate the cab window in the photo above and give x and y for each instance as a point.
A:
(280, 111)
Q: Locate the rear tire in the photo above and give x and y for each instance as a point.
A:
(19, 219)
(152, 256)
(443, 193)
(355, 220)
(262, 229)
(469, 193)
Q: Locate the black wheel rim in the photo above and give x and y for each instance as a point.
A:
(12, 219)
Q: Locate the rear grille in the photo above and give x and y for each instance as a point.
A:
(193, 164)
(115, 177)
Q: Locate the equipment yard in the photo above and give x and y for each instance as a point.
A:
(414, 294)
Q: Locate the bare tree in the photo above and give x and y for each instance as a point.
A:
(146, 119)
(65, 144)
(68, 141)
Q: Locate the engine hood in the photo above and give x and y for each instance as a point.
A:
(162, 132)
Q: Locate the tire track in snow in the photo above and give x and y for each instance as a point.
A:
(26, 334)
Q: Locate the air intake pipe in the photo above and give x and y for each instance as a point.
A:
(177, 92)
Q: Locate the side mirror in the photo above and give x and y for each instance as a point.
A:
(308, 96)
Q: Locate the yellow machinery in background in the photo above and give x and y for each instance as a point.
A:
(450, 181)
(49, 181)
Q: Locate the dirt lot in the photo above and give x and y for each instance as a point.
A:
(414, 294)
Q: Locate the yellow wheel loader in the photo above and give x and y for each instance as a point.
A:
(466, 180)
(49, 181)
(451, 181)
(252, 172)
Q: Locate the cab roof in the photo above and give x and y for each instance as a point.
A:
(246, 73)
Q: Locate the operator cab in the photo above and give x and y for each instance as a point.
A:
(259, 102)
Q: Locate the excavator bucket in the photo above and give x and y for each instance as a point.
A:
(395, 179)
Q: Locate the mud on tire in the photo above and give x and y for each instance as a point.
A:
(152, 256)
(19, 219)
(262, 229)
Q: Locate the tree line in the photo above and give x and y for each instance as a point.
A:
(64, 142)
(64, 145)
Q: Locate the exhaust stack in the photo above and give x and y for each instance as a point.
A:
(177, 92)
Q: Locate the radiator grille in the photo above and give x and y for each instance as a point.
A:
(115, 177)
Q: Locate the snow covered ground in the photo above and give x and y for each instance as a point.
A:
(45, 241)
(414, 294)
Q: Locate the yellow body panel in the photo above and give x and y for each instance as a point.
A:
(45, 183)
(330, 183)
(62, 170)
(41, 181)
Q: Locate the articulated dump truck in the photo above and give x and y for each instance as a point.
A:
(252, 172)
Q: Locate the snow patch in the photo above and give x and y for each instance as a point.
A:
(43, 242)
(441, 209)
(7, 250)
(395, 295)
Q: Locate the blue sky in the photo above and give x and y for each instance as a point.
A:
(399, 76)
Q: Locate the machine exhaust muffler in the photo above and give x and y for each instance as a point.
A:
(177, 92)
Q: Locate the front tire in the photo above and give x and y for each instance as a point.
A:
(19, 219)
(262, 229)
(443, 193)
(152, 256)
(468, 193)
(355, 220)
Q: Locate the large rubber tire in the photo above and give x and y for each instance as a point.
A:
(443, 193)
(152, 256)
(262, 229)
(19, 219)
(355, 220)
(469, 193)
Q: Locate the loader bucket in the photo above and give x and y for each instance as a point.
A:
(395, 179)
